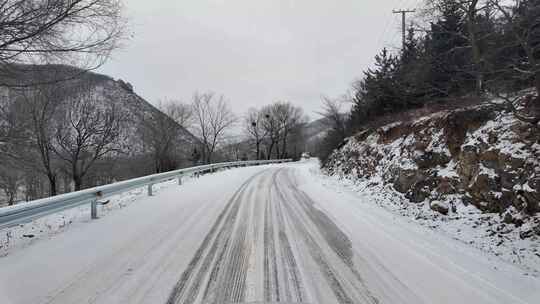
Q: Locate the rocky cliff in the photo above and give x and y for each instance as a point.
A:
(475, 160)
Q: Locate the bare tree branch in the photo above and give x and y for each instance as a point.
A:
(213, 118)
(76, 32)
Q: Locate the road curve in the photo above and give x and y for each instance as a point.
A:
(272, 234)
(271, 244)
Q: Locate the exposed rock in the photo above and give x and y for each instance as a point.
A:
(406, 178)
(447, 185)
(526, 234)
(458, 123)
(467, 163)
(421, 189)
(485, 188)
(532, 195)
(512, 163)
(480, 156)
(508, 218)
(439, 206)
(492, 138)
(508, 179)
(536, 230)
(490, 159)
(431, 160)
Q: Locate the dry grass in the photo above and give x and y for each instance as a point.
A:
(442, 104)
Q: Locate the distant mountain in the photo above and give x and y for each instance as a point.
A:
(316, 128)
(314, 133)
(135, 153)
(136, 108)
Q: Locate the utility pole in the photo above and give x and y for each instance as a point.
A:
(403, 29)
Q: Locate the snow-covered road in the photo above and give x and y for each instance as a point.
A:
(272, 233)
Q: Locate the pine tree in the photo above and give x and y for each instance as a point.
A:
(378, 93)
(448, 52)
(412, 70)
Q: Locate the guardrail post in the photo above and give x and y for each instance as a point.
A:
(180, 180)
(93, 206)
(93, 209)
(150, 189)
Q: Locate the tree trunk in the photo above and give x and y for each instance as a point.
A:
(204, 155)
(270, 149)
(11, 198)
(77, 180)
(478, 70)
(208, 157)
(284, 152)
(258, 148)
(476, 54)
(52, 184)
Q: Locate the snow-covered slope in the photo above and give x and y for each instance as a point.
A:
(134, 108)
(473, 173)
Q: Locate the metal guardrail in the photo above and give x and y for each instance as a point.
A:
(26, 212)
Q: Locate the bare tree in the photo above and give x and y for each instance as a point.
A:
(523, 23)
(180, 112)
(67, 31)
(471, 9)
(297, 141)
(13, 123)
(272, 128)
(234, 149)
(213, 118)
(40, 106)
(11, 179)
(255, 130)
(334, 117)
(279, 121)
(88, 128)
(161, 129)
(335, 120)
(289, 119)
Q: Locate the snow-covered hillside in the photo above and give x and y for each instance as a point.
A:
(134, 108)
(473, 173)
(40, 104)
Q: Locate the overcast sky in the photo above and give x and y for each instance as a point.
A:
(253, 51)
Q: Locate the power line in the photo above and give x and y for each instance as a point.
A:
(382, 37)
(403, 24)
